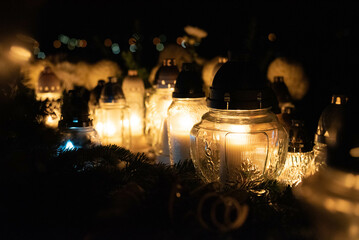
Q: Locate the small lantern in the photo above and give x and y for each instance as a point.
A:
(75, 124)
(239, 137)
(328, 118)
(112, 117)
(187, 108)
(331, 196)
(49, 90)
(156, 109)
(299, 157)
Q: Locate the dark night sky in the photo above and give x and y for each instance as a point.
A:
(322, 35)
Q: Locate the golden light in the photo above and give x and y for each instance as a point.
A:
(239, 138)
(107, 42)
(57, 44)
(272, 37)
(19, 54)
(156, 41)
(179, 40)
(132, 41)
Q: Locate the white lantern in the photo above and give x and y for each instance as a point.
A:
(112, 120)
(187, 108)
(49, 90)
(239, 138)
(156, 109)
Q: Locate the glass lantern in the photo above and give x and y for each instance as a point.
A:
(75, 125)
(134, 89)
(186, 109)
(112, 120)
(95, 95)
(239, 138)
(157, 107)
(299, 157)
(326, 120)
(331, 196)
(49, 90)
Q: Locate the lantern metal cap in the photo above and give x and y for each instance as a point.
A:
(48, 81)
(239, 86)
(96, 92)
(189, 83)
(167, 74)
(112, 92)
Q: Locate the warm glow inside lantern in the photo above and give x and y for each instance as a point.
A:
(112, 121)
(187, 108)
(49, 90)
(239, 137)
(299, 157)
(156, 109)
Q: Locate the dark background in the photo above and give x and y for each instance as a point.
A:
(323, 35)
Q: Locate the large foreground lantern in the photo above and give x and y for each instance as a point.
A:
(331, 196)
(187, 108)
(239, 137)
(112, 117)
(75, 125)
(156, 109)
(49, 89)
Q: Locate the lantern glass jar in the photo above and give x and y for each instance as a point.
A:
(112, 120)
(229, 143)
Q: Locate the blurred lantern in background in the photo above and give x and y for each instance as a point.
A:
(156, 109)
(281, 91)
(299, 157)
(187, 108)
(94, 102)
(327, 121)
(239, 139)
(134, 89)
(332, 194)
(75, 125)
(49, 90)
(112, 118)
(210, 69)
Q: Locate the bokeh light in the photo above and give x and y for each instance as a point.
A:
(73, 42)
(156, 41)
(132, 41)
(115, 48)
(179, 40)
(160, 47)
(41, 55)
(107, 42)
(272, 37)
(63, 38)
(56, 44)
(133, 48)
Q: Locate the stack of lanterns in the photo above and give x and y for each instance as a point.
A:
(112, 118)
(187, 108)
(49, 89)
(239, 137)
(75, 125)
(157, 105)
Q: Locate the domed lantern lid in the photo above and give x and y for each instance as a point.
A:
(48, 81)
(167, 74)
(221, 61)
(189, 83)
(75, 109)
(331, 115)
(239, 86)
(96, 92)
(112, 92)
(132, 82)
